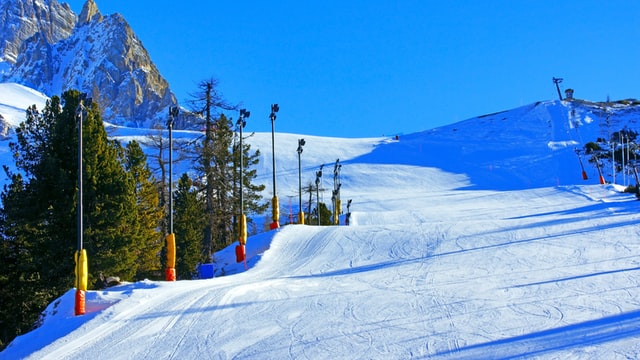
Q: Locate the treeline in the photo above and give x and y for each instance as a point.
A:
(125, 206)
(615, 156)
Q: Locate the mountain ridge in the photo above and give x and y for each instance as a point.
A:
(492, 149)
(92, 53)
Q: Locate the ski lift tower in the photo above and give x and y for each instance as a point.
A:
(558, 81)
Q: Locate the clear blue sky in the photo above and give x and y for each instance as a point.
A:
(368, 68)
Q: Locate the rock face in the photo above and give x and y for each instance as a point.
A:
(99, 55)
(21, 19)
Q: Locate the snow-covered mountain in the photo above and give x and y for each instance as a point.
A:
(14, 101)
(20, 20)
(526, 147)
(50, 49)
(476, 240)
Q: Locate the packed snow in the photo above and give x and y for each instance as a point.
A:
(14, 100)
(471, 241)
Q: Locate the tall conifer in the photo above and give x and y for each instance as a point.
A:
(149, 240)
(189, 224)
(38, 219)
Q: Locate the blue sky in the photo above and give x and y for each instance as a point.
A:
(371, 68)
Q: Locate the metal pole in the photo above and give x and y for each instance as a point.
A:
(173, 112)
(241, 165)
(628, 159)
(621, 138)
(170, 177)
(335, 198)
(170, 271)
(299, 183)
(81, 261)
(80, 175)
(275, 207)
(273, 150)
(242, 123)
(240, 249)
(613, 161)
(318, 176)
(557, 81)
(301, 143)
(318, 199)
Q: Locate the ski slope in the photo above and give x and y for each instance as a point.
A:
(15, 99)
(481, 242)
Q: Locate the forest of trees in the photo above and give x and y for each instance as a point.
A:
(125, 205)
(616, 156)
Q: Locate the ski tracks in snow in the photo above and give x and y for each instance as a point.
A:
(114, 336)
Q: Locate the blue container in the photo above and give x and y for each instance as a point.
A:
(205, 271)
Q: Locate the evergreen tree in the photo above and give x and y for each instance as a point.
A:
(253, 203)
(309, 189)
(189, 224)
(149, 240)
(23, 292)
(110, 204)
(207, 104)
(222, 181)
(217, 161)
(39, 218)
(325, 218)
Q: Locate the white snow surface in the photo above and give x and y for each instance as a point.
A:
(478, 240)
(15, 99)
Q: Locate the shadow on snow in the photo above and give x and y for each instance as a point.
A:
(580, 335)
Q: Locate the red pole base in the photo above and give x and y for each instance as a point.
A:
(80, 302)
(602, 180)
(170, 274)
(240, 253)
(584, 176)
(274, 225)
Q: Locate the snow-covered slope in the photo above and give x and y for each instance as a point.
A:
(546, 273)
(475, 240)
(14, 101)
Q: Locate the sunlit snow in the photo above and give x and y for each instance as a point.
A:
(471, 241)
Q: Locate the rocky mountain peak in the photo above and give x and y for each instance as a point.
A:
(89, 12)
(21, 19)
(92, 53)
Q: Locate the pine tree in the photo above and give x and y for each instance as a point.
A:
(37, 221)
(325, 214)
(253, 202)
(39, 218)
(217, 163)
(207, 104)
(149, 241)
(222, 182)
(23, 292)
(189, 224)
(110, 203)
